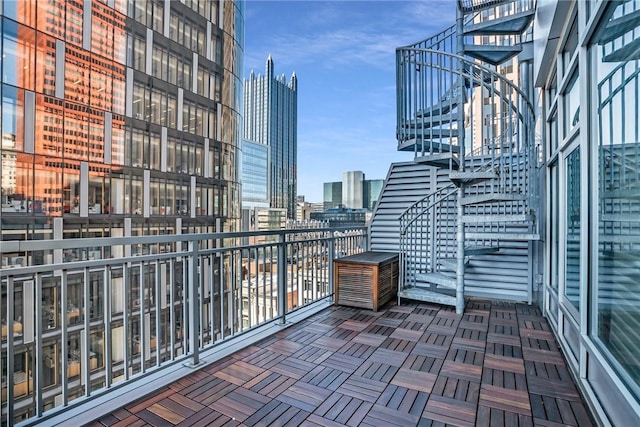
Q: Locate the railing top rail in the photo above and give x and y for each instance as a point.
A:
(470, 63)
(10, 246)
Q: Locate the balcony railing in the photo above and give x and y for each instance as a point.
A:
(83, 317)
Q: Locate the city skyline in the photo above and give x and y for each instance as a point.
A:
(345, 121)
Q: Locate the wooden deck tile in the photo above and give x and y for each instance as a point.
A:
(312, 354)
(381, 415)
(421, 363)
(239, 373)
(388, 322)
(362, 388)
(454, 388)
(343, 362)
(505, 399)
(293, 367)
(285, 347)
(511, 364)
(270, 384)
(357, 349)
(469, 344)
(544, 356)
(407, 334)
(414, 365)
(354, 325)
(166, 413)
(404, 399)
(450, 411)
(397, 344)
(415, 380)
(324, 377)
(432, 350)
(304, 396)
(239, 404)
(329, 343)
(463, 371)
(376, 371)
(391, 357)
(373, 340)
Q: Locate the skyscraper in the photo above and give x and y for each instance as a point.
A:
(271, 118)
(119, 118)
(353, 192)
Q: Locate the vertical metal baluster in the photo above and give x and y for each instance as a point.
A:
(85, 341)
(39, 350)
(107, 326)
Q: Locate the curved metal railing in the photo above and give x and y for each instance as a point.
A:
(450, 104)
(427, 234)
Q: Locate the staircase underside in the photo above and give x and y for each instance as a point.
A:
(492, 54)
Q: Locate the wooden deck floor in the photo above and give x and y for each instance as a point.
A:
(415, 364)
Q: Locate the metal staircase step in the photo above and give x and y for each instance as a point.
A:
(491, 53)
(442, 160)
(503, 236)
(450, 264)
(497, 218)
(436, 146)
(492, 198)
(509, 24)
(436, 119)
(480, 250)
(470, 178)
(440, 279)
(619, 26)
(421, 294)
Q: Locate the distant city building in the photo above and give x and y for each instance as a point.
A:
(304, 210)
(254, 179)
(354, 192)
(271, 118)
(255, 175)
(352, 189)
(342, 217)
(332, 195)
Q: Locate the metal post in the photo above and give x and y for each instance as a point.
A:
(282, 278)
(330, 256)
(193, 303)
(460, 231)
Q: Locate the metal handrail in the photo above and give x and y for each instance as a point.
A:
(121, 317)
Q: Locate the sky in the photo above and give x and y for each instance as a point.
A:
(343, 54)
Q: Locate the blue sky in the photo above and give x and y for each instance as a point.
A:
(343, 53)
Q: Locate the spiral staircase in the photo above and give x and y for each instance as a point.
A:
(458, 113)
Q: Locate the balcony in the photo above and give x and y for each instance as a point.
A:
(193, 330)
(414, 364)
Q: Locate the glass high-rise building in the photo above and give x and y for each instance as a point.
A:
(271, 118)
(353, 192)
(119, 118)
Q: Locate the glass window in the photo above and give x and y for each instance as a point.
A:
(12, 117)
(572, 237)
(571, 104)
(618, 196)
(18, 55)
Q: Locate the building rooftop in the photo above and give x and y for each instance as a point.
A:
(415, 364)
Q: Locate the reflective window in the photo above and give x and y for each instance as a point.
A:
(572, 225)
(18, 55)
(618, 229)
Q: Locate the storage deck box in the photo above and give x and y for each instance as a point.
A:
(366, 280)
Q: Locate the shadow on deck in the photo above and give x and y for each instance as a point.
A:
(415, 364)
